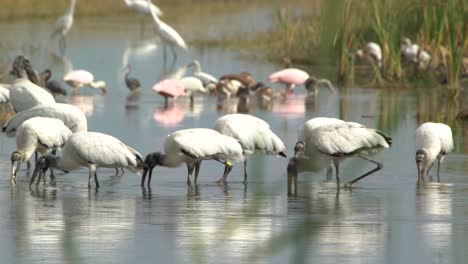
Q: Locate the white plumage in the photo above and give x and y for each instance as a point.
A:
(167, 34)
(203, 76)
(24, 95)
(4, 94)
(192, 86)
(64, 24)
(141, 7)
(373, 51)
(253, 133)
(336, 139)
(433, 141)
(410, 52)
(39, 134)
(191, 146)
(91, 150)
(70, 115)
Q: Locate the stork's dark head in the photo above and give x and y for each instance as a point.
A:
(299, 149)
(152, 160)
(22, 68)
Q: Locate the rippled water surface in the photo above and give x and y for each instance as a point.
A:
(386, 218)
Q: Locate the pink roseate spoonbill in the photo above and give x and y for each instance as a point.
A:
(132, 83)
(253, 133)
(25, 92)
(192, 146)
(167, 35)
(78, 78)
(63, 25)
(92, 150)
(371, 52)
(206, 78)
(71, 116)
(245, 78)
(291, 77)
(433, 141)
(53, 86)
(4, 95)
(169, 88)
(37, 134)
(339, 141)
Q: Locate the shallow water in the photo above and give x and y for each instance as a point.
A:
(385, 218)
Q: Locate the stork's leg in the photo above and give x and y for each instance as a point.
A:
(95, 178)
(379, 167)
(190, 168)
(329, 172)
(123, 171)
(197, 170)
(52, 177)
(116, 171)
(35, 156)
(28, 165)
(439, 161)
(90, 177)
(245, 170)
(337, 169)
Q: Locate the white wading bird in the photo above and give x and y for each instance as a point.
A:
(191, 146)
(413, 53)
(339, 141)
(203, 76)
(40, 134)
(143, 8)
(433, 141)
(63, 25)
(167, 35)
(25, 92)
(371, 51)
(253, 133)
(70, 115)
(91, 150)
(193, 85)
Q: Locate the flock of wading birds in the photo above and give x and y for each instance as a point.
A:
(41, 125)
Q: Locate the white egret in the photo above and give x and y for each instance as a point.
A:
(64, 24)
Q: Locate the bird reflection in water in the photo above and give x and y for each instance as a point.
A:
(84, 102)
(171, 116)
(293, 108)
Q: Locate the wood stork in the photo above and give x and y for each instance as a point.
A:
(338, 140)
(25, 91)
(191, 146)
(53, 86)
(79, 78)
(91, 150)
(253, 133)
(206, 78)
(71, 116)
(167, 35)
(132, 83)
(433, 141)
(4, 95)
(372, 52)
(41, 134)
(63, 25)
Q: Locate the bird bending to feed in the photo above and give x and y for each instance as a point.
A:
(340, 140)
(245, 78)
(25, 92)
(63, 25)
(312, 85)
(70, 115)
(193, 85)
(169, 88)
(78, 78)
(167, 35)
(39, 134)
(292, 77)
(203, 76)
(92, 150)
(253, 133)
(227, 88)
(192, 146)
(372, 52)
(433, 141)
(53, 86)
(132, 83)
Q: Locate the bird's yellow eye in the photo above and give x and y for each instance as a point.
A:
(228, 163)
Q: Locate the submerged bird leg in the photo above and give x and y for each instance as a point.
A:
(35, 156)
(28, 165)
(337, 169)
(379, 167)
(197, 170)
(245, 171)
(292, 177)
(116, 171)
(329, 172)
(52, 176)
(190, 168)
(96, 179)
(439, 161)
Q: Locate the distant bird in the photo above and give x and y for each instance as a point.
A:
(79, 78)
(71, 116)
(292, 77)
(142, 7)
(372, 52)
(167, 35)
(193, 85)
(263, 92)
(4, 94)
(40, 134)
(25, 92)
(206, 78)
(313, 83)
(253, 133)
(433, 141)
(92, 150)
(169, 88)
(63, 25)
(132, 83)
(413, 53)
(247, 80)
(54, 86)
(192, 146)
(227, 88)
(339, 141)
